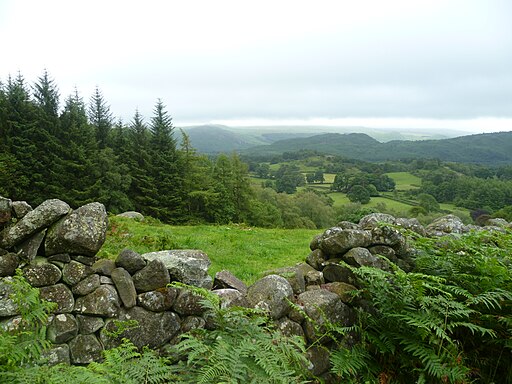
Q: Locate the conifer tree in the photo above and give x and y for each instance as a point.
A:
(100, 118)
(165, 168)
(46, 97)
(78, 146)
(142, 191)
(19, 124)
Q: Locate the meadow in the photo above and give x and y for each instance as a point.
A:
(246, 252)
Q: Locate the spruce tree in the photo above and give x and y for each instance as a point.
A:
(165, 168)
(46, 97)
(20, 122)
(100, 118)
(142, 191)
(78, 148)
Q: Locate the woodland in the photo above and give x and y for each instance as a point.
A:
(448, 320)
(78, 151)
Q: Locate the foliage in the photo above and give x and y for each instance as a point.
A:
(358, 193)
(447, 321)
(261, 248)
(23, 341)
(242, 348)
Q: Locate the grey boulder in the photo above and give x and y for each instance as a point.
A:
(43, 216)
(83, 231)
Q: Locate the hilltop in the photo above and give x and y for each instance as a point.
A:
(487, 148)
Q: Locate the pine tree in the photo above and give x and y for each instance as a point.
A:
(46, 97)
(78, 148)
(142, 188)
(20, 121)
(165, 169)
(100, 118)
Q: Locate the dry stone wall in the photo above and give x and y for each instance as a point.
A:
(55, 247)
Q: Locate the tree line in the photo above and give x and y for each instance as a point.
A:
(79, 152)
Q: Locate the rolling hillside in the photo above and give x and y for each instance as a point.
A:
(488, 148)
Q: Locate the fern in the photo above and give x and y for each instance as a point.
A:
(243, 348)
(24, 344)
(447, 321)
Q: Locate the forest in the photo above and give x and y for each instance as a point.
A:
(78, 151)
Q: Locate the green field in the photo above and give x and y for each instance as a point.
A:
(405, 180)
(246, 252)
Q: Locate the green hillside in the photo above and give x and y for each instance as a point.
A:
(489, 148)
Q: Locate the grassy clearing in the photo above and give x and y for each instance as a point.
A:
(405, 180)
(246, 252)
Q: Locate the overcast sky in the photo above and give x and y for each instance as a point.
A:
(413, 63)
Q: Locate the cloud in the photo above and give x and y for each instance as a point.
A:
(287, 59)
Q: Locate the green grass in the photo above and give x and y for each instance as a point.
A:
(246, 252)
(405, 180)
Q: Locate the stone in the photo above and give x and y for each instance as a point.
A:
(103, 301)
(323, 307)
(132, 215)
(11, 324)
(130, 260)
(315, 242)
(336, 241)
(74, 272)
(28, 249)
(56, 354)
(316, 259)
(225, 279)
(294, 276)
(497, 222)
(87, 260)
(41, 275)
(87, 285)
(152, 329)
(373, 220)
(89, 324)
(289, 327)
(272, 294)
(319, 358)
(85, 349)
(158, 301)
(188, 303)
(334, 271)
(230, 297)
(192, 322)
(186, 266)
(386, 235)
(82, 232)
(125, 287)
(8, 264)
(385, 251)
(362, 257)
(104, 267)
(59, 294)
(43, 216)
(411, 224)
(20, 208)
(314, 278)
(5, 210)
(106, 280)
(153, 276)
(7, 305)
(62, 328)
(59, 257)
(347, 225)
(446, 225)
(343, 290)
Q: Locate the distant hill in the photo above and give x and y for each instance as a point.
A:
(488, 148)
(215, 139)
